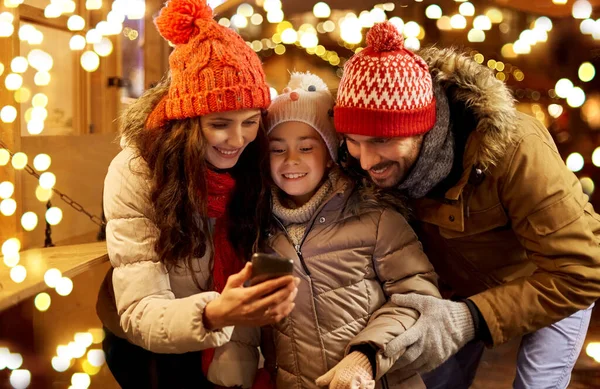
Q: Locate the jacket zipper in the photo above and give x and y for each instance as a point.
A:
(384, 382)
(297, 247)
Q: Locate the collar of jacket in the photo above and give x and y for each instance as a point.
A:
(474, 88)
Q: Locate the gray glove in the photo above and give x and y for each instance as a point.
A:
(442, 329)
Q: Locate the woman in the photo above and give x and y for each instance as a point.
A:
(185, 202)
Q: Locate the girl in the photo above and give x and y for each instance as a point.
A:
(352, 250)
(179, 229)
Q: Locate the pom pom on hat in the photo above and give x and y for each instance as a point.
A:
(305, 81)
(384, 37)
(177, 21)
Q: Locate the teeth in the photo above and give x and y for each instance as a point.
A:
(379, 171)
(294, 175)
(226, 152)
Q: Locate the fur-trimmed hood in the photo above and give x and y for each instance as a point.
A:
(488, 99)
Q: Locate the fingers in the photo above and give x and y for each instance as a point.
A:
(404, 340)
(275, 299)
(409, 357)
(411, 300)
(237, 280)
(268, 287)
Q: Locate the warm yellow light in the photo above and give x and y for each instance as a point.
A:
(245, 9)
(20, 378)
(42, 194)
(42, 78)
(466, 9)
(29, 221)
(40, 60)
(378, 15)
(329, 26)
(84, 338)
(12, 3)
(52, 11)
(90, 61)
(63, 351)
(270, 5)
(22, 95)
(521, 47)
(42, 302)
(256, 19)
(39, 113)
(256, 45)
(76, 23)
(321, 10)
(93, 4)
(42, 162)
(19, 65)
(64, 287)
(19, 160)
(433, 11)
(582, 9)
(8, 114)
(225, 22)
(81, 380)
(279, 49)
(6, 189)
(26, 31)
(412, 29)
(6, 17)
(98, 334)
(12, 260)
(68, 6)
(563, 87)
(576, 97)
(289, 36)
(587, 184)
(47, 180)
(1, 68)
(54, 216)
(479, 58)
(6, 29)
(40, 100)
(13, 81)
(11, 246)
(4, 157)
(77, 42)
(495, 15)
(412, 43)
(136, 9)
(8, 207)
(555, 110)
(458, 22)
(275, 16)
(52, 277)
(18, 274)
(61, 364)
(444, 23)
(239, 21)
(96, 357)
(89, 369)
(309, 40)
(104, 48)
(560, 2)
(93, 36)
(476, 35)
(14, 361)
(543, 23)
(587, 72)
(76, 350)
(575, 162)
(587, 26)
(35, 126)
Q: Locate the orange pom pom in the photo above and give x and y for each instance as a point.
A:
(294, 96)
(178, 20)
(385, 37)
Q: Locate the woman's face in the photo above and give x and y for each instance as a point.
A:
(227, 135)
(299, 160)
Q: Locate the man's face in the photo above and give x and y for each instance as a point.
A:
(387, 160)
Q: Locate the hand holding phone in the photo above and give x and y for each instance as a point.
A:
(268, 266)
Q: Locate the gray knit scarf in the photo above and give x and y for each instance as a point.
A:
(437, 152)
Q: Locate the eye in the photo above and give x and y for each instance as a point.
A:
(380, 140)
(306, 149)
(349, 140)
(219, 126)
(277, 151)
(251, 122)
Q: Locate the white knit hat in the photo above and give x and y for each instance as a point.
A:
(306, 99)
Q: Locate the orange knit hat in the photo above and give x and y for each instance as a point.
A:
(212, 68)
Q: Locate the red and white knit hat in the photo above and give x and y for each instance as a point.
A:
(386, 90)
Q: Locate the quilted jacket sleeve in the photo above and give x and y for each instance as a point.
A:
(150, 315)
(402, 267)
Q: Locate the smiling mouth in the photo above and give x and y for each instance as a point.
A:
(381, 171)
(227, 153)
(294, 176)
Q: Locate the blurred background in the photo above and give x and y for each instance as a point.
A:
(69, 67)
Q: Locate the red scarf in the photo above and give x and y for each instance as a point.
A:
(226, 262)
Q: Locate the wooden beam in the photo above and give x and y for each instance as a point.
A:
(27, 13)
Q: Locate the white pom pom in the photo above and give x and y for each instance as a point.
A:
(299, 80)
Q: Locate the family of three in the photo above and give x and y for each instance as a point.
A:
(426, 219)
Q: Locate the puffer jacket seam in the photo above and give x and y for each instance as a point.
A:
(339, 287)
(367, 316)
(295, 351)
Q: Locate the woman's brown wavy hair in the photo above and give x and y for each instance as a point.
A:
(175, 155)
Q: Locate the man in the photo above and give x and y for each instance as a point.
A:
(504, 222)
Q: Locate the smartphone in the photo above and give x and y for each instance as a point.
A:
(268, 266)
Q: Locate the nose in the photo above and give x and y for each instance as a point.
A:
(292, 157)
(368, 158)
(236, 137)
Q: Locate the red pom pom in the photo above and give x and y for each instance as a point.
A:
(385, 37)
(177, 21)
(294, 96)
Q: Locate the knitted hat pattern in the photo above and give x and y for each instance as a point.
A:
(212, 68)
(306, 99)
(386, 89)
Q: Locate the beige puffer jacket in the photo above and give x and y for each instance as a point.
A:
(355, 254)
(158, 310)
